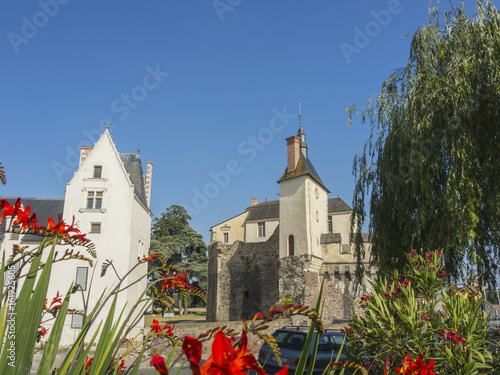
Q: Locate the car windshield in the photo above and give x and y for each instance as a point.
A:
(295, 341)
(290, 340)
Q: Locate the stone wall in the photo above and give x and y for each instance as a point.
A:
(242, 279)
(246, 278)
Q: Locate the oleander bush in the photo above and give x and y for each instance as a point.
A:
(415, 313)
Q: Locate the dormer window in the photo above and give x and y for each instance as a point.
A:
(97, 171)
(262, 229)
(94, 200)
(15, 233)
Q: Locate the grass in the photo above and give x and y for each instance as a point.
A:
(197, 313)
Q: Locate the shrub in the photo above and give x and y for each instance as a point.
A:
(417, 311)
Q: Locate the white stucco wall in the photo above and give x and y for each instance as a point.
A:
(235, 227)
(341, 223)
(252, 230)
(293, 215)
(317, 207)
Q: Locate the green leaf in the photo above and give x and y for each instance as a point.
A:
(52, 346)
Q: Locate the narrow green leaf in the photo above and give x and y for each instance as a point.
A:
(52, 346)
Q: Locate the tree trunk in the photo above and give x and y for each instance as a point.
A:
(179, 295)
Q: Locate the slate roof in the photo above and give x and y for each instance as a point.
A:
(264, 210)
(304, 167)
(43, 207)
(365, 237)
(133, 166)
(336, 204)
(271, 209)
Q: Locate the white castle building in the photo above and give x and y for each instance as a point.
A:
(109, 197)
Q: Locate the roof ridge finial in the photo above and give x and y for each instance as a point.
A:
(302, 134)
(300, 114)
(139, 149)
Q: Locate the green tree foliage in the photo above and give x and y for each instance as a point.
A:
(431, 167)
(182, 247)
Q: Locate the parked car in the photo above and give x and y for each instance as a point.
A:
(291, 341)
(495, 322)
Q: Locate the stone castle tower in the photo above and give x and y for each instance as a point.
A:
(284, 248)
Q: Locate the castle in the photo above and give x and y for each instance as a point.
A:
(285, 248)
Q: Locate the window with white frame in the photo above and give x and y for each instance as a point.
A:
(262, 229)
(15, 232)
(226, 237)
(76, 321)
(81, 278)
(95, 228)
(97, 171)
(330, 224)
(94, 200)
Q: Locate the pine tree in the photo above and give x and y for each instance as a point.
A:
(182, 247)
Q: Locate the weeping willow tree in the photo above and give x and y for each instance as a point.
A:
(431, 167)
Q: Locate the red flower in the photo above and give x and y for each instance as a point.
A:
(157, 329)
(416, 368)
(259, 315)
(42, 331)
(19, 216)
(274, 310)
(158, 362)
(53, 306)
(150, 258)
(121, 367)
(192, 349)
(88, 363)
(226, 360)
(175, 282)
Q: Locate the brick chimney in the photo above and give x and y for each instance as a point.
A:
(255, 201)
(293, 152)
(84, 151)
(149, 176)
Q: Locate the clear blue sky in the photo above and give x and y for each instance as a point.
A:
(191, 81)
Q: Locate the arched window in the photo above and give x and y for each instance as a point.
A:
(291, 245)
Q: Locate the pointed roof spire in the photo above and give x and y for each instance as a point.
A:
(302, 135)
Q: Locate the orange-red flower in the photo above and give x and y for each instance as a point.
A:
(150, 258)
(157, 329)
(88, 363)
(19, 216)
(415, 368)
(121, 367)
(225, 360)
(174, 282)
(42, 331)
(55, 304)
(156, 326)
(192, 349)
(158, 362)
